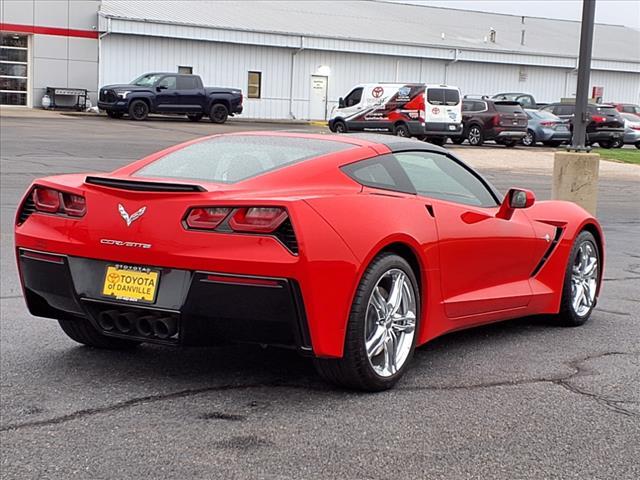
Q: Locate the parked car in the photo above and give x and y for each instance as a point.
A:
(170, 93)
(318, 243)
(525, 100)
(429, 112)
(605, 126)
(627, 108)
(485, 119)
(545, 127)
(631, 130)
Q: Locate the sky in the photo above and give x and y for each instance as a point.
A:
(617, 12)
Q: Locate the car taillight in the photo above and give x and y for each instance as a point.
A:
(548, 124)
(49, 200)
(257, 219)
(74, 205)
(207, 218)
(598, 118)
(46, 200)
(636, 126)
(495, 120)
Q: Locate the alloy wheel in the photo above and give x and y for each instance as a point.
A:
(390, 322)
(584, 279)
(527, 140)
(474, 136)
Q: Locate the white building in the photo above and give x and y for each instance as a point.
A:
(294, 59)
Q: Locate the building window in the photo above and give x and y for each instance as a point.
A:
(254, 89)
(185, 70)
(14, 58)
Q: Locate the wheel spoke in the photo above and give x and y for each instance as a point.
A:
(379, 303)
(590, 268)
(395, 296)
(587, 295)
(577, 297)
(377, 341)
(390, 355)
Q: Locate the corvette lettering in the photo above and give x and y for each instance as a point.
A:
(121, 243)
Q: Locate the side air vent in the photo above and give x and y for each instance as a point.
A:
(143, 186)
(287, 236)
(28, 207)
(547, 254)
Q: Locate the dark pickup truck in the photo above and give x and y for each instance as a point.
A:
(170, 93)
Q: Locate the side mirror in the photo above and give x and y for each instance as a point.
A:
(515, 198)
(159, 88)
(341, 102)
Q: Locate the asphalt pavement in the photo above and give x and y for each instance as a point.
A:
(517, 400)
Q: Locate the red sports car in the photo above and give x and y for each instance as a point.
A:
(352, 249)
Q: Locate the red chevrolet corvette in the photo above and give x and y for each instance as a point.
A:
(350, 249)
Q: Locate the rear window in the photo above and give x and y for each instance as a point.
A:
(188, 82)
(237, 157)
(607, 111)
(508, 108)
(443, 96)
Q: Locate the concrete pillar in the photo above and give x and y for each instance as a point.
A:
(575, 178)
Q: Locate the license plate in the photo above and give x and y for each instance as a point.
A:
(133, 284)
(452, 127)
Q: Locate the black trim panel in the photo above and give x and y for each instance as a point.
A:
(547, 254)
(143, 186)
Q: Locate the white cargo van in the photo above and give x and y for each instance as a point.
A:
(431, 112)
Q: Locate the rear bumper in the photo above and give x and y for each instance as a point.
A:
(550, 135)
(605, 135)
(435, 129)
(510, 135)
(210, 308)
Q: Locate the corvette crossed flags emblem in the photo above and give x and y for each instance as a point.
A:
(130, 218)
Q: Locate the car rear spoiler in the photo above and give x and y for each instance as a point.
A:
(143, 186)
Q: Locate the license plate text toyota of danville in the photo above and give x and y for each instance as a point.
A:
(134, 284)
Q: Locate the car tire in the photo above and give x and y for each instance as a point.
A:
(606, 144)
(218, 113)
(552, 143)
(339, 126)
(475, 136)
(112, 114)
(529, 140)
(618, 143)
(194, 117)
(638, 145)
(138, 110)
(82, 331)
(573, 310)
(401, 130)
(358, 369)
(458, 140)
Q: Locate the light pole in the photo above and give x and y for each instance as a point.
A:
(575, 171)
(581, 117)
